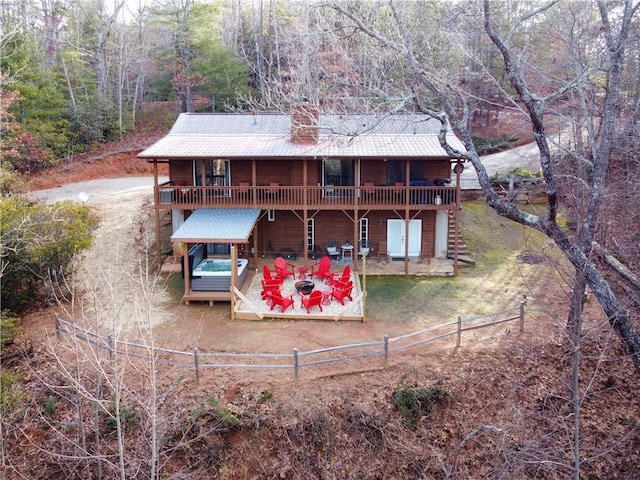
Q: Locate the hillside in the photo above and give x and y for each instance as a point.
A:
(495, 408)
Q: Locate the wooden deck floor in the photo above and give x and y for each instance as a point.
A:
(251, 306)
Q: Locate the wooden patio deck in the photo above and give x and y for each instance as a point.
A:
(250, 306)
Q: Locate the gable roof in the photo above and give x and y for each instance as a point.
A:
(269, 136)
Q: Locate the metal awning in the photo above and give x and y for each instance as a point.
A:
(217, 226)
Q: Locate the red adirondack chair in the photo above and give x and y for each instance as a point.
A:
(341, 279)
(269, 287)
(313, 300)
(267, 276)
(284, 269)
(322, 269)
(276, 298)
(342, 292)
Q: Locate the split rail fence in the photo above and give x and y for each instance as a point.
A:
(296, 359)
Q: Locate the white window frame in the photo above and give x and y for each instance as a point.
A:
(363, 232)
(311, 238)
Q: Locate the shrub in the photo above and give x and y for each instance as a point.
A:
(10, 394)
(213, 407)
(414, 403)
(485, 146)
(11, 181)
(8, 327)
(519, 176)
(39, 241)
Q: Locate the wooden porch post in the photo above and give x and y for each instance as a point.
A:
(456, 216)
(305, 213)
(187, 271)
(234, 278)
(407, 182)
(203, 173)
(356, 218)
(155, 203)
(254, 181)
(255, 246)
(364, 286)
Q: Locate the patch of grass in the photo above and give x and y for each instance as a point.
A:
(11, 395)
(213, 407)
(8, 327)
(49, 405)
(265, 396)
(490, 237)
(129, 418)
(175, 286)
(414, 402)
(495, 282)
(223, 412)
(399, 298)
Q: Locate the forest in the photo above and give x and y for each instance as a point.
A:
(75, 74)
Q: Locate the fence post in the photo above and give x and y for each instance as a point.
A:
(459, 327)
(386, 350)
(522, 304)
(196, 361)
(295, 364)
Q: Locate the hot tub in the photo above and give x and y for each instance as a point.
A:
(214, 275)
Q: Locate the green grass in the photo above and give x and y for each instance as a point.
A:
(175, 285)
(497, 281)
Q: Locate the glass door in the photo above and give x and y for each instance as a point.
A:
(216, 173)
(336, 173)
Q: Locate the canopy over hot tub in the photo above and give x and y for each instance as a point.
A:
(232, 226)
(218, 226)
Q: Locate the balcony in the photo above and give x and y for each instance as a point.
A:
(269, 197)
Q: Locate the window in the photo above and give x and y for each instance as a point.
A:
(396, 170)
(216, 173)
(363, 233)
(310, 235)
(337, 173)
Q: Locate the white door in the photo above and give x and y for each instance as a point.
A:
(395, 237)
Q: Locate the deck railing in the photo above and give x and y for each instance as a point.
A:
(170, 196)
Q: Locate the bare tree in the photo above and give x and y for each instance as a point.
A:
(435, 93)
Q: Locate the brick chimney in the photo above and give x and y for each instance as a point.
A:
(304, 124)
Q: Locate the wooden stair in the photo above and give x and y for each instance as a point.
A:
(465, 259)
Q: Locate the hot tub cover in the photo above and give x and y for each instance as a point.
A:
(217, 226)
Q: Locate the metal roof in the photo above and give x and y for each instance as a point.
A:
(268, 136)
(280, 124)
(220, 226)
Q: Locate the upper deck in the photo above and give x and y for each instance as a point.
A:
(266, 197)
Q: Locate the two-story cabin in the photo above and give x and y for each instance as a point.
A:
(274, 184)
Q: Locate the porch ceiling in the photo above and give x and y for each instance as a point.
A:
(217, 226)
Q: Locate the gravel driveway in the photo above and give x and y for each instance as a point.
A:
(97, 190)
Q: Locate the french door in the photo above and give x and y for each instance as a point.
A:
(396, 237)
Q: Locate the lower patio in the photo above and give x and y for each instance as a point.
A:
(249, 303)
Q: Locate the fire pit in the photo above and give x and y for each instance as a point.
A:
(304, 287)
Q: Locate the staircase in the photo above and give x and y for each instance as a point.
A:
(465, 259)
